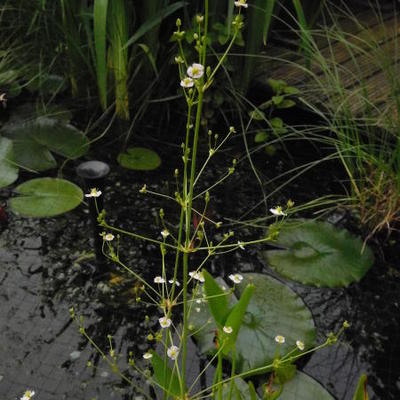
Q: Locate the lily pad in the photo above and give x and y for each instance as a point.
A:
(8, 171)
(46, 197)
(274, 309)
(34, 140)
(319, 254)
(139, 158)
(303, 387)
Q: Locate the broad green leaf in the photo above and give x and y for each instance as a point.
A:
(276, 122)
(274, 309)
(285, 373)
(235, 319)
(361, 391)
(291, 90)
(8, 170)
(316, 253)
(277, 100)
(217, 299)
(303, 387)
(45, 197)
(277, 85)
(139, 158)
(34, 139)
(261, 137)
(164, 376)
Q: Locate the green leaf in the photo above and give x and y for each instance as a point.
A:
(46, 197)
(277, 100)
(286, 103)
(316, 253)
(276, 122)
(291, 90)
(235, 319)
(274, 309)
(164, 376)
(285, 373)
(277, 85)
(303, 387)
(217, 299)
(8, 171)
(261, 137)
(139, 158)
(34, 139)
(100, 29)
(257, 115)
(361, 391)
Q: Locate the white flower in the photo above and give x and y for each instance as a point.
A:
(280, 339)
(158, 279)
(198, 309)
(187, 82)
(173, 352)
(28, 395)
(198, 301)
(176, 282)
(195, 71)
(165, 322)
(227, 329)
(93, 193)
(300, 345)
(240, 244)
(197, 275)
(146, 356)
(108, 237)
(241, 3)
(235, 278)
(165, 233)
(277, 211)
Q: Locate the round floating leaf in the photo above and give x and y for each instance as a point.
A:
(274, 309)
(8, 171)
(34, 140)
(46, 197)
(303, 387)
(139, 158)
(317, 253)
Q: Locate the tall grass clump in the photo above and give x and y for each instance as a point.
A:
(352, 86)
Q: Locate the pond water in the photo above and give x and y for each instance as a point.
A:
(46, 267)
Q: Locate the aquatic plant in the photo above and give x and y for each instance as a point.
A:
(185, 292)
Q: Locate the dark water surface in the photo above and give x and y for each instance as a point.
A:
(45, 269)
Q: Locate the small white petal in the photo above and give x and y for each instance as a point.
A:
(300, 345)
(241, 3)
(165, 233)
(277, 211)
(197, 275)
(280, 339)
(146, 356)
(173, 352)
(241, 245)
(187, 82)
(108, 237)
(93, 193)
(165, 322)
(159, 279)
(197, 309)
(227, 329)
(195, 71)
(235, 278)
(171, 281)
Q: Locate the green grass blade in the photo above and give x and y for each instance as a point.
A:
(153, 22)
(304, 30)
(100, 29)
(118, 32)
(269, 9)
